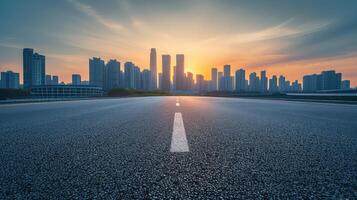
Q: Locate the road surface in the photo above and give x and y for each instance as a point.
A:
(179, 148)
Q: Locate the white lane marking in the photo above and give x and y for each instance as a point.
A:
(177, 104)
(179, 141)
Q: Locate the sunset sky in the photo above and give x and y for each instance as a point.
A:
(283, 37)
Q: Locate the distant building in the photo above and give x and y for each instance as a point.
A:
(76, 79)
(145, 79)
(129, 75)
(345, 85)
(282, 84)
(295, 86)
(240, 80)
(153, 68)
(190, 81)
(48, 79)
(166, 72)
(220, 81)
(263, 82)
(160, 81)
(96, 72)
(227, 79)
(55, 80)
(253, 82)
(214, 79)
(327, 80)
(112, 74)
(200, 83)
(137, 78)
(65, 91)
(273, 84)
(180, 72)
(34, 68)
(10, 80)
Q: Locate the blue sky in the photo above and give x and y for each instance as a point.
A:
(283, 37)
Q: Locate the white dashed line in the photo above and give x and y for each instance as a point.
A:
(177, 104)
(179, 141)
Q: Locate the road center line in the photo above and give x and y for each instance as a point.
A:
(177, 104)
(179, 141)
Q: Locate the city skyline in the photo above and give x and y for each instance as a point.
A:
(280, 43)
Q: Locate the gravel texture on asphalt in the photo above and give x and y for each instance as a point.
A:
(120, 149)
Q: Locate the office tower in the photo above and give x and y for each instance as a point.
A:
(122, 79)
(180, 72)
(253, 82)
(295, 86)
(282, 87)
(112, 74)
(27, 66)
(166, 73)
(48, 79)
(214, 79)
(220, 81)
(55, 80)
(263, 82)
(137, 77)
(227, 82)
(145, 79)
(331, 80)
(240, 80)
(200, 82)
(96, 72)
(310, 83)
(76, 79)
(160, 81)
(273, 84)
(174, 78)
(38, 74)
(190, 82)
(10, 80)
(345, 85)
(153, 68)
(129, 75)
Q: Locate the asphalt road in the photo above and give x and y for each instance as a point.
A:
(122, 149)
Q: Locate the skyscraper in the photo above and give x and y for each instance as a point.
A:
(345, 85)
(331, 80)
(282, 84)
(137, 78)
(96, 72)
(214, 79)
(166, 72)
(240, 80)
(38, 70)
(189, 80)
(27, 67)
(145, 79)
(228, 83)
(263, 82)
(76, 79)
(220, 81)
(273, 84)
(253, 82)
(200, 83)
(10, 80)
(129, 75)
(112, 74)
(180, 72)
(153, 68)
(55, 80)
(160, 81)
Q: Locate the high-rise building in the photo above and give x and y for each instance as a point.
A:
(76, 79)
(55, 80)
(38, 74)
(10, 80)
(27, 67)
(220, 81)
(240, 80)
(48, 79)
(310, 83)
(345, 85)
(153, 68)
(282, 86)
(331, 80)
(96, 72)
(214, 79)
(145, 79)
(227, 82)
(129, 75)
(273, 84)
(253, 82)
(295, 86)
(180, 72)
(160, 81)
(166, 72)
(112, 74)
(200, 83)
(189, 80)
(263, 82)
(137, 78)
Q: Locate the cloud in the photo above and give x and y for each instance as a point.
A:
(88, 10)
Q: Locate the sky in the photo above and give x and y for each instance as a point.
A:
(292, 38)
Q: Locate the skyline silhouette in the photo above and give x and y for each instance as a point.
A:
(291, 38)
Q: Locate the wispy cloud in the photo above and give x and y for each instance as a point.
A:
(88, 10)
